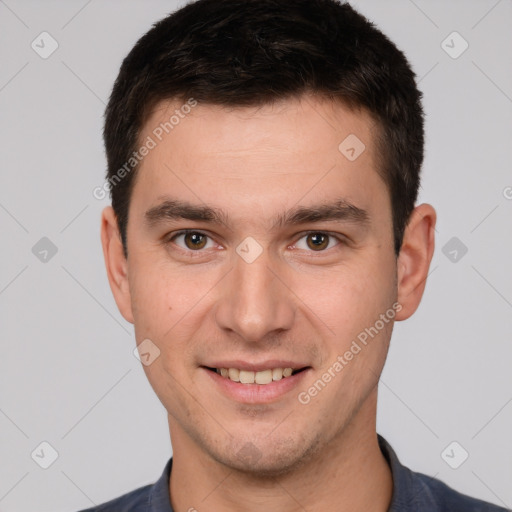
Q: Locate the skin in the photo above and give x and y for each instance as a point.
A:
(293, 302)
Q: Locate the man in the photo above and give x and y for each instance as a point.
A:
(263, 162)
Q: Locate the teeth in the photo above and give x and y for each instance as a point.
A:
(249, 377)
(277, 374)
(233, 374)
(246, 377)
(263, 377)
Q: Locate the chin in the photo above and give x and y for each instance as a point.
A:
(268, 458)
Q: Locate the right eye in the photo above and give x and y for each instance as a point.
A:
(192, 240)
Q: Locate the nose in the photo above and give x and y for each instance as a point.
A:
(255, 301)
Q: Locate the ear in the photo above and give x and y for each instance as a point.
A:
(115, 262)
(414, 259)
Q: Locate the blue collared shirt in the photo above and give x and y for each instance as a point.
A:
(412, 492)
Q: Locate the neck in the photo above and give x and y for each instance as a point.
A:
(349, 473)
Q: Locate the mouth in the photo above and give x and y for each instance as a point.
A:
(255, 382)
(261, 377)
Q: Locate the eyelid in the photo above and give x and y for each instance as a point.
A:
(171, 236)
(341, 239)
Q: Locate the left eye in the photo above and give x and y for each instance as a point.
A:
(317, 241)
(193, 240)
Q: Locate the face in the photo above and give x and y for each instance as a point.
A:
(254, 245)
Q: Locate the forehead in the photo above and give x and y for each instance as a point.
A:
(292, 151)
(237, 129)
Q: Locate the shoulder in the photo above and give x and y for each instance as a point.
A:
(150, 498)
(448, 499)
(417, 492)
(134, 501)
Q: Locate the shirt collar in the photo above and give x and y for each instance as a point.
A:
(159, 499)
(409, 494)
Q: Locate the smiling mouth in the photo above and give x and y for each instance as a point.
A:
(261, 377)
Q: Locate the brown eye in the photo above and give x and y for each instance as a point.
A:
(194, 240)
(317, 241)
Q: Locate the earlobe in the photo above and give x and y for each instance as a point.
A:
(414, 259)
(115, 262)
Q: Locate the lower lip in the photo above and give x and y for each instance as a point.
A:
(257, 393)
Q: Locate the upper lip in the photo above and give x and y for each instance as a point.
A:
(257, 367)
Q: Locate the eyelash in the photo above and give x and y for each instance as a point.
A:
(339, 238)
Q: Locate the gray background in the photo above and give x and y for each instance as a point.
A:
(67, 372)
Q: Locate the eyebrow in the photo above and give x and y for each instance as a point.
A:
(338, 210)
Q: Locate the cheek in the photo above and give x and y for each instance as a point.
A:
(350, 298)
(155, 300)
(162, 312)
(167, 305)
